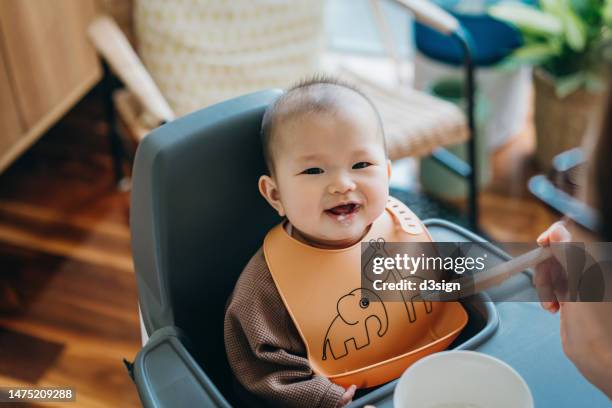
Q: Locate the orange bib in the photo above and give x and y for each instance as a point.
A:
(351, 335)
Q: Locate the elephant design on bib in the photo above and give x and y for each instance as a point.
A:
(350, 324)
(376, 248)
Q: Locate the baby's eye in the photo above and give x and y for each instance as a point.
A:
(361, 165)
(313, 170)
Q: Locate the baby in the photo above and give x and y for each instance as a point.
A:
(329, 176)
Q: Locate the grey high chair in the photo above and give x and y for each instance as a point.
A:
(196, 219)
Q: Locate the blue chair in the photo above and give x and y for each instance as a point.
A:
(492, 40)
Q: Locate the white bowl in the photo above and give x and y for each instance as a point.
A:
(461, 379)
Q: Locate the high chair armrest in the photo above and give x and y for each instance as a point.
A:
(166, 374)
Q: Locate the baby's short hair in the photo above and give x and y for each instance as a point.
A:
(311, 95)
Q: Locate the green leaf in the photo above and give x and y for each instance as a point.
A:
(553, 7)
(575, 31)
(589, 11)
(534, 53)
(528, 19)
(607, 13)
(568, 84)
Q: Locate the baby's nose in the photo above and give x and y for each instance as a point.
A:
(341, 185)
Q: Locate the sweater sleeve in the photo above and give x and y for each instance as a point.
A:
(264, 348)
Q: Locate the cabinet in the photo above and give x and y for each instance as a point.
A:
(46, 65)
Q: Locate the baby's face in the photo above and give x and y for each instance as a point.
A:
(332, 174)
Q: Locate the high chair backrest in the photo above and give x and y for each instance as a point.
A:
(196, 219)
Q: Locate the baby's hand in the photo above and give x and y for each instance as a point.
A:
(347, 397)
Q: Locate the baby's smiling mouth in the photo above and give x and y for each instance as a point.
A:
(344, 209)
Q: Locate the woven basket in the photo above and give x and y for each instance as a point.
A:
(561, 124)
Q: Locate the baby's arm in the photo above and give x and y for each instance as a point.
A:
(264, 348)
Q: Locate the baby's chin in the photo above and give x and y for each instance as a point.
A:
(338, 239)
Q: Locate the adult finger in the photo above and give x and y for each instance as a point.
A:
(558, 232)
(543, 282)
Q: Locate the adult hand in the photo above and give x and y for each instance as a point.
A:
(586, 327)
(347, 397)
(586, 336)
(550, 279)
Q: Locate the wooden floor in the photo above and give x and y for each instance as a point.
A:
(65, 251)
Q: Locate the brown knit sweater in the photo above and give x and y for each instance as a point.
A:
(264, 348)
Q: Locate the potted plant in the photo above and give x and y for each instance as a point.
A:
(561, 39)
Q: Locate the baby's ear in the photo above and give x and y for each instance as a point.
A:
(269, 191)
(389, 168)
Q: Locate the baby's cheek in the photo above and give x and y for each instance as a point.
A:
(303, 211)
(377, 210)
(379, 192)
